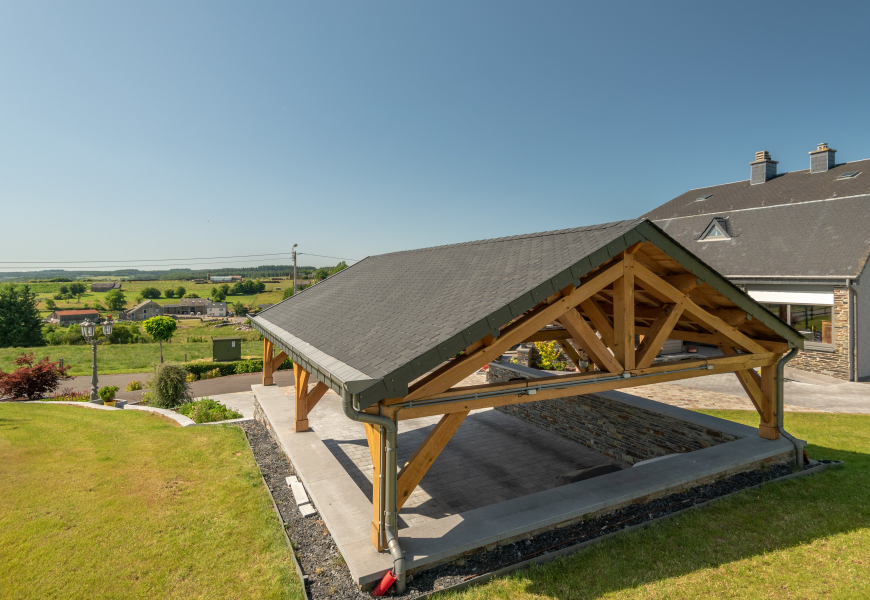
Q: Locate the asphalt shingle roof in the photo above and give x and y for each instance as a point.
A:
(391, 318)
(799, 224)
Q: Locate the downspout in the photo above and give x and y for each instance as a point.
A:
(391, 531)
(780, 403)
(853, 330)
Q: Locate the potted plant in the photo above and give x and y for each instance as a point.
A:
(108, 394)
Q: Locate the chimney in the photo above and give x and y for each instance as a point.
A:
(763, 169)
(821, 159)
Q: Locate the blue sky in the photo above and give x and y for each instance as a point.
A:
(166, 130)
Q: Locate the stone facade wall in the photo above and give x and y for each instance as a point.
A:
(836, 363)
(620, 431)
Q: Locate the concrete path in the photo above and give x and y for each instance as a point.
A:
(241, 401)
(206, 387)
(806, 390)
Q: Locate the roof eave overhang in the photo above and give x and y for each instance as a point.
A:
(336, 374)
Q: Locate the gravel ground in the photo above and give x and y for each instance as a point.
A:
(329, 577)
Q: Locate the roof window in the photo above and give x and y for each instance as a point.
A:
(717, 230)
(702, 198)
(849, 175)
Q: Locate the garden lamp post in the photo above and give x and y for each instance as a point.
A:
(88, 330)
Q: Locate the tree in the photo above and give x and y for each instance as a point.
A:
(150, 293)
(240, 309)
(259, 287)
(115, 300)
(321, 273)
(169, 293)
(20, 324)
(50, 305)
(225, 289)
(238, 289)
(339, 267)
(160, 328)
(64, 289)
(32, 380)
(191, 295)
(77, 289)
(180, 291)
(219, 296)
(125, 332)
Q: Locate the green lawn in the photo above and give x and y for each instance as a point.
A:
(804, 538)
(128, 358)
(128, 505)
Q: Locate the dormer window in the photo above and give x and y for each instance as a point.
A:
(716, 231)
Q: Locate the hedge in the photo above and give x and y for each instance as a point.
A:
(254, 365)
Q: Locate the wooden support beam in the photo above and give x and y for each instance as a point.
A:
(573, 355)
(548, 335)
(277, 361)
(586, 339)
(267, 362)
(762, 391)
(314, 396)
(658, 333)
(377, 443)
(599, 320)
(300, 421)
(423, 457)
(514, 392)
(698, 314)
(460, 368)
(623, 315)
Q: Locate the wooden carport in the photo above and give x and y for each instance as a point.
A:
(639, 285)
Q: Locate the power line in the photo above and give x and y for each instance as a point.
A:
(322, 256)
(141, 260)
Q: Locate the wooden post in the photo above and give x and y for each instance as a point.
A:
(267, 362)
(300, 375)
(376, 441)
(623, 315)
(767, 428)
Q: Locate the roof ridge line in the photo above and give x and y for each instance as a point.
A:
(598, 227)
(736, 210)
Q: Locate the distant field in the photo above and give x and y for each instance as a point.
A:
(131, 291)
(131, 358)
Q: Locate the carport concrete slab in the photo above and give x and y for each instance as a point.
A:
(346, 508)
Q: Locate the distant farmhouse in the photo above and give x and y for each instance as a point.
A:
(796, 242)
(105, 286)
(225, 278)
(73, 317)
(143, 310)
(196, 307)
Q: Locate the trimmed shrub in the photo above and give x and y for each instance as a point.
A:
(223, 369)
(206, 410)
(169, 386)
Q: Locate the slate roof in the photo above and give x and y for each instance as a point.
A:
(140, 305)
(795, 225)
(105, 287)
(74, 313)
(389, 319)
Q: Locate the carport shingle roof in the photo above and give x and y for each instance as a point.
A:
(391, 318)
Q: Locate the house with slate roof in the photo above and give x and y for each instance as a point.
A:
(105, 286)
(142, 311)
(796, 242)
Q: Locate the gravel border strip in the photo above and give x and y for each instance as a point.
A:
(329, 577)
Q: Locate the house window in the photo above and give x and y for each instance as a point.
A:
(717, 230)
(814, 321)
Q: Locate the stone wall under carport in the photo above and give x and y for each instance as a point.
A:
(622, 430)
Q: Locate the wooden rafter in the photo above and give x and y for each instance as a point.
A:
(569, 350)
(698, 314)
(412, 473)
(585, 337)
(658, 333)
(599, 320)
(514, 333)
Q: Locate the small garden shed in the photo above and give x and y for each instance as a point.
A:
(226, 349)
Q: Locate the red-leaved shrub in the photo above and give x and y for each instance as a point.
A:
(31, 380)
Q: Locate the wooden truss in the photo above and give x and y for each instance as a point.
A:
(642, 292)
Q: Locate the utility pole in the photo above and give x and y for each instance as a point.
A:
(294, 268)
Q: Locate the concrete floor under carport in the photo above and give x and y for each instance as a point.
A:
(468, 500)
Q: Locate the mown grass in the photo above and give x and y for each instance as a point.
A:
(128, 505)
(127, 358)
(804, 538)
